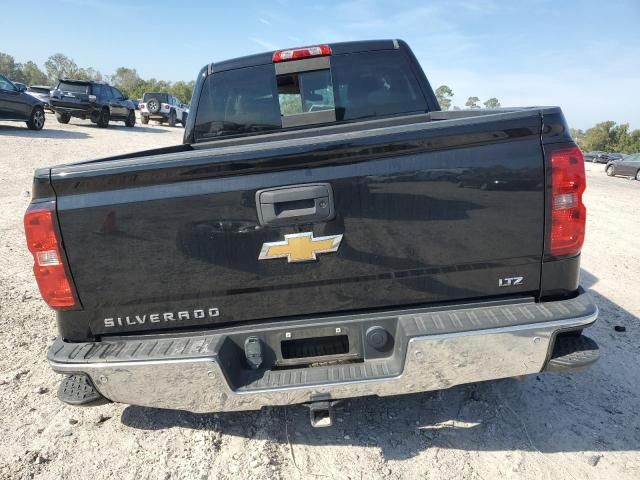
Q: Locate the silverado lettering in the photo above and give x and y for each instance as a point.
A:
(158, 317)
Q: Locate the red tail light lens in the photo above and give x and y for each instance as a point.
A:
(568, 213)
(303, 52)
(48, 268)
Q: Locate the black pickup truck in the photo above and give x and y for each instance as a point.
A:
(324, 232)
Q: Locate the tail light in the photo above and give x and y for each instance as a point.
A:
(48, 267)
(303, 52)
(568, 213)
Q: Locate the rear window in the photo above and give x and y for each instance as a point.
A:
(40, 90)
(238, 102)
(374, 84)
(356, 86)
(73, 87)
(161, 97)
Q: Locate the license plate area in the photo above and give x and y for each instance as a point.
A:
(255, 357)
(308, 346)
(314, 347)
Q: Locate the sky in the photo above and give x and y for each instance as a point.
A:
(583, 55)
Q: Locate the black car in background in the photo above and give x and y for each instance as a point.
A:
(97, 101)
(42, 93)
(601, 157)
(591, 156)
(627, 166)
(16, 104)
(609, 157)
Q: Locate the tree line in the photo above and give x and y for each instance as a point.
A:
(608, 137)
(59, 66)
(604, 136)
(444, 94)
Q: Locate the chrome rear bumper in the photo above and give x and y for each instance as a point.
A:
(436, 349)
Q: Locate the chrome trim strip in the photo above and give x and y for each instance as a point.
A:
(432, 362)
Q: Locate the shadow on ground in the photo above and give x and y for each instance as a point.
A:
(139, 128)
(22, 131)
(117, 125)
(592, 410)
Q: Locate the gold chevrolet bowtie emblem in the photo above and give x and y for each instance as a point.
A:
(300, 247)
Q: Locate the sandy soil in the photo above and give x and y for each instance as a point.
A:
(581, 426)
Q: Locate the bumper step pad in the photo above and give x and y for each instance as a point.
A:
(571, 352)
(78, 390)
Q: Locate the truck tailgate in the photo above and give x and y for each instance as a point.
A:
(433, 212)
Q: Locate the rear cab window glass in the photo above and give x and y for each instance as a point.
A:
(305, 92)
(374, 84)
(344, 87)
(238, 102)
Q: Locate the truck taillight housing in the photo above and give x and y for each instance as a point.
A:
(303, 52)
(568, 213)
(48, 266)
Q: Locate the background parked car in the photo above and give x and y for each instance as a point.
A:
(96, 101)
(591, 156)
(606, 157)
(21, 86)
(42, 93)
(163, 108)
(628, 166)
(17, 105)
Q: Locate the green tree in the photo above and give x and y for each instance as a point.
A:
(59, 66)
(182, 90)
(89, 74)
(472, 102)
(444, 94)
(578, 136)
(127, 80)
(492, 103)
(599, 136)
(33, 75)
(609, 137)
(11, 69)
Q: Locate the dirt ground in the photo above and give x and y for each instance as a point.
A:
(580, 426)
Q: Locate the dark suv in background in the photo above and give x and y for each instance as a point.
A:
(96, 101)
